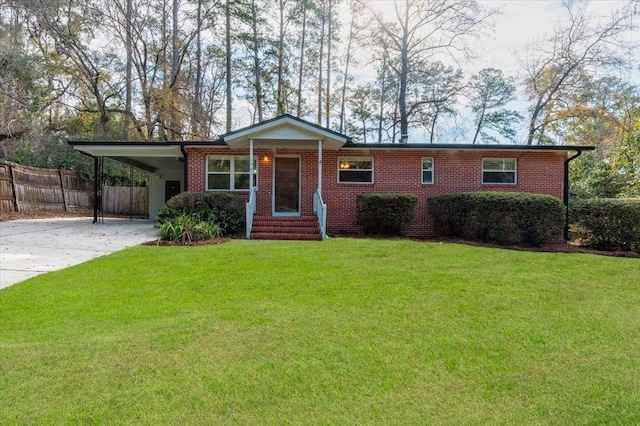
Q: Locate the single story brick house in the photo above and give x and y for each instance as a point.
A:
(301, 180)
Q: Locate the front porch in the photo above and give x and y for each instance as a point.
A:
(285, 153)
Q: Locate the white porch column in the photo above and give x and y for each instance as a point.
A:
(251, 165)
(320, 167)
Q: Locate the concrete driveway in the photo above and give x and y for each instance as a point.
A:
(32, 247)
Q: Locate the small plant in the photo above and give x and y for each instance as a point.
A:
(225, 209)
(385, 214)
(187, 228)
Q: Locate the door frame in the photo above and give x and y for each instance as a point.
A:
(273, 192)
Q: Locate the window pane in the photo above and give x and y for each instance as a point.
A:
(219, 165)
(499, 164)
(241, 181)
(427, 163)
(242, 164)
(355, 165)
(498, 177)
(220, 181)
(427, 176)
(356, 176)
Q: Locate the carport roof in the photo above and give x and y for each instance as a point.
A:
(148, 156)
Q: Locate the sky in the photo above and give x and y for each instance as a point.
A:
(524, 20)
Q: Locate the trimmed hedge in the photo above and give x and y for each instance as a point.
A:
(225, 209)
(503, 217)
(607, 223)
(385, 214)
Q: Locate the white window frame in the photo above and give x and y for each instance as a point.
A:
(231, 173)
(428, 169)
(514, 171)
(343, 159)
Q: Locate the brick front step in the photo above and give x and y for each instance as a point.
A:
(285, 228)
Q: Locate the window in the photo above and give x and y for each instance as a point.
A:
(427, 170)
(499, 170)
(230, 173)
(355, 170)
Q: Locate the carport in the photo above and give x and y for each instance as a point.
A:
(164, 161)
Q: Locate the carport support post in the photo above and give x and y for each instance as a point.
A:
(96, 182)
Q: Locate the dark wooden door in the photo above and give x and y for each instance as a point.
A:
(286, 185)
(171, 188)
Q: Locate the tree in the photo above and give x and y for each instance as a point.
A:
(355, 10)
(23, 89)
(421, 31)
(363, 122)
(254, 40)
(580, 45)
(435, 89)
(606, 113)
(490, 92)
(228, 63)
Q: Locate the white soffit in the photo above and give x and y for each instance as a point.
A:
(105, 150)
(284, 133)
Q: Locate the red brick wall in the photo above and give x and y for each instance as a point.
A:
(394, 171)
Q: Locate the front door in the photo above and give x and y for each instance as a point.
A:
(286, 183)
(171, 188)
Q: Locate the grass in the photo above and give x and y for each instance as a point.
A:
(346, 331)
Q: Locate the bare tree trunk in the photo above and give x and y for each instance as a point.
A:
(346, 75)
(175, 63)
(128, 94)
(228, 66)
(300, 71)
(433, 128)
(197, 97)
(280, 84)
(321, 57)
(328, 95)
(256, 61)
(161, 117)
(382, 97)
(478, 127)
(404, 77)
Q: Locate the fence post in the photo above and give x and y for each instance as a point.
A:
(64, 192)
(13, 188)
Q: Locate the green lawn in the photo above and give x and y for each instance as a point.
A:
(345, 331)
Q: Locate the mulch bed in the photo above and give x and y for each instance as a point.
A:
(166, 243)
(569, 247)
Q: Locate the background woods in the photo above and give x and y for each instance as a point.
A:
(383, 72)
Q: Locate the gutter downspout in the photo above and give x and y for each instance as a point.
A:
(566, 192)
(185, 168)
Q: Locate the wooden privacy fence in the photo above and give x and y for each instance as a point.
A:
(31, 189)
(120, 199)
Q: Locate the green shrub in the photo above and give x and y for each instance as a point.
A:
(225, 209)
(385, 214)
(503, 217)
(186, 228)
(607, 223)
